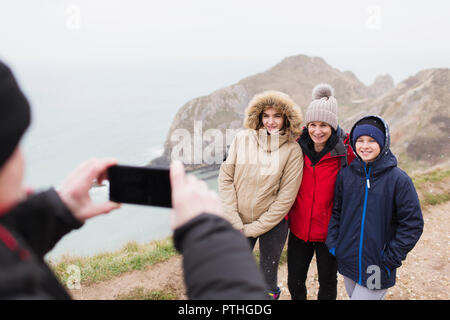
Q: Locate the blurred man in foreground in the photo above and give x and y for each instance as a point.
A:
(217, 259)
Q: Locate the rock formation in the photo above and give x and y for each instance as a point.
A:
(416, 109)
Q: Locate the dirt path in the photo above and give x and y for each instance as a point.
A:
(164, 276)
(424, 274)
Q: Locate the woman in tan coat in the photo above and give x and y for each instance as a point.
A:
(261, 176)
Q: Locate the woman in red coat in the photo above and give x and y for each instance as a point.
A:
(326, 149)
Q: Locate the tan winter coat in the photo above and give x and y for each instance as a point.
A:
(261, 176)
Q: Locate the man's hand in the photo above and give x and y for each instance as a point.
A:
(74, 191)
(190, 197)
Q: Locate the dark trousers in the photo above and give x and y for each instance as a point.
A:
(300, 254)
(271, 246)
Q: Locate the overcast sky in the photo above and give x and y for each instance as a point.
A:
(367, 37)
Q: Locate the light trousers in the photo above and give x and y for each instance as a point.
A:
(358, 292)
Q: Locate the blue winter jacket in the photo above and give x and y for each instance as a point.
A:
(376, 219)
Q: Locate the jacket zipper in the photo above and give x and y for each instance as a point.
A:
(361, 236)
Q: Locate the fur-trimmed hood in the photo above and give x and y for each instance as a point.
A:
(280, 102)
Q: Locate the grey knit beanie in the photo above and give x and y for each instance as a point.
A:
(323, 107)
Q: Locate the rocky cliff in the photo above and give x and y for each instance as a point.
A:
(415, 109)
(418, 113)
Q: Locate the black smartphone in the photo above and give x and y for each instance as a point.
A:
(140, 185)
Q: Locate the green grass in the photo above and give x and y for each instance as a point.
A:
(140, 293)
(434, 176)
(422, 181)
(105, 266)
(430, 199)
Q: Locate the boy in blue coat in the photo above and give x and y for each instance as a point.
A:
(376, 217)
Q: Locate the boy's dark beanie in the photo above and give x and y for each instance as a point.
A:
(373, 122)
(372, 127)
(15, 114)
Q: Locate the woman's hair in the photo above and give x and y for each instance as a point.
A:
(281, 102)
(286, 122)
(332, 129)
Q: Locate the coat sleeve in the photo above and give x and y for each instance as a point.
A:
(409, 220)
(217, 261)
(42, 220)
(227, 189)
(289, 185)
(333, 225)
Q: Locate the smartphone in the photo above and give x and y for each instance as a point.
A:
(148, 186)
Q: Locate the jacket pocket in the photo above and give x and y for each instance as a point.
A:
(384, 268)
(336, 250)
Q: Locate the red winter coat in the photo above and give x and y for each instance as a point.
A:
(311, 211)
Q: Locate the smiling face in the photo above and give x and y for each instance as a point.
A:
(272, 120)
(367, 148)
(319, 132)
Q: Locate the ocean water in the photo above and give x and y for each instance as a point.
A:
(105, 111)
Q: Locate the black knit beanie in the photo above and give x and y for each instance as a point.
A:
(15, 114)
(372, 127)
(373, 121)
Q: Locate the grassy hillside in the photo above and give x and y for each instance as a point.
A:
(104, 266)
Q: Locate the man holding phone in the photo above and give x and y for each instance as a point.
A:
(31, 224)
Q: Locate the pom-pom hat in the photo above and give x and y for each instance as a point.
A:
(323, 107)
